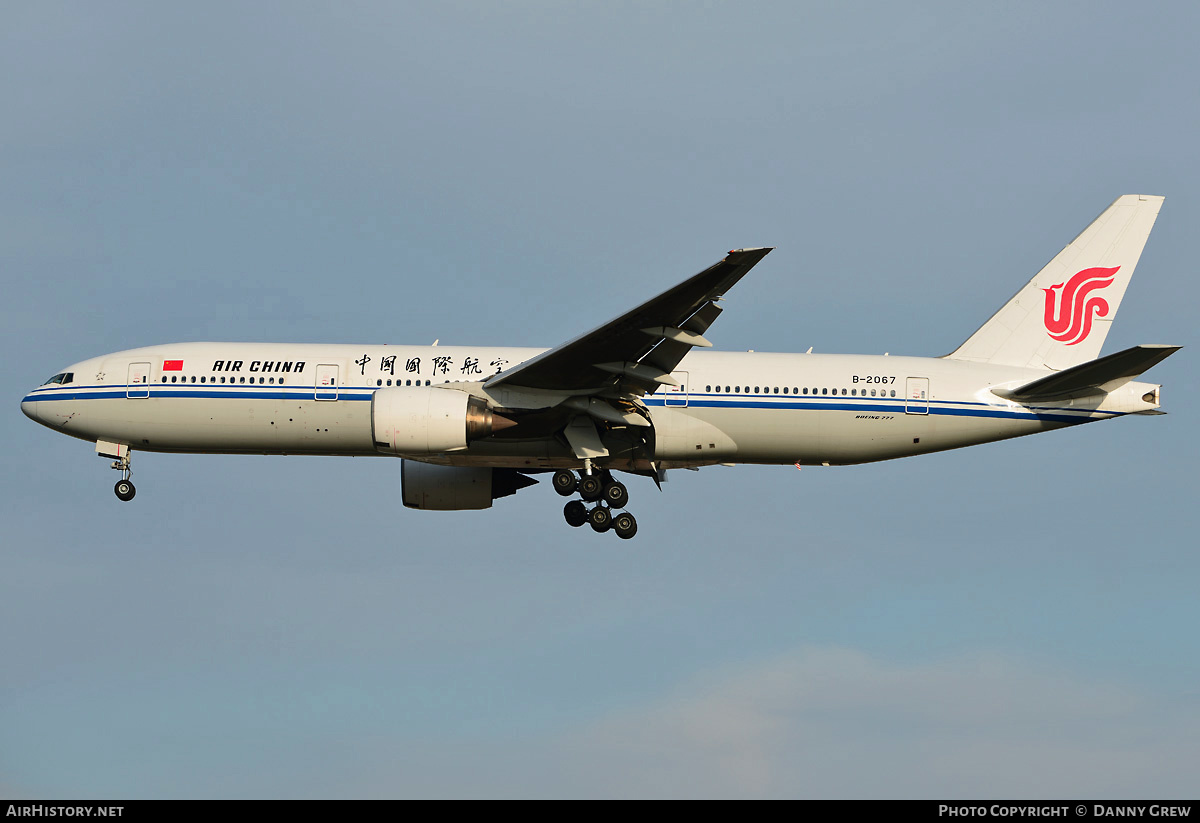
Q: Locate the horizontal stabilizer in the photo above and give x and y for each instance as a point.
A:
(1095, 377)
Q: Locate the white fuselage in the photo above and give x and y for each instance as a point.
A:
(732, 407)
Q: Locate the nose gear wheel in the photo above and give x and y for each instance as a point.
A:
(124, 490)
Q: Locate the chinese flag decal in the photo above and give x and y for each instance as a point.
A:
(172, 365)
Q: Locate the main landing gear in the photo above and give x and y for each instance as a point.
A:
(124, 487)
(606, 493)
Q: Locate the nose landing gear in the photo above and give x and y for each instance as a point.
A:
(124, 488)
(607, 494)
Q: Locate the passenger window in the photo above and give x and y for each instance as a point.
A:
(756, 389)
(379, 382)
(893, 392)
(785, 388)
(843, 392)
(164, 378)
(281, 381)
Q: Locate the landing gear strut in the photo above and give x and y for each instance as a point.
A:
(607, 494)
(124, 488)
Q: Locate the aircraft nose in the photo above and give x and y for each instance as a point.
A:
(30, 408)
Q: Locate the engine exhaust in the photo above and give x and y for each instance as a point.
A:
(482, 421)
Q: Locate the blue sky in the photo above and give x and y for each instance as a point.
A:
(1016, 619)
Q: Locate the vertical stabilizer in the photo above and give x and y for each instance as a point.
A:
(1061, 317)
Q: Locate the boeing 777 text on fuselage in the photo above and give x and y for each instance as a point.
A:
(640, 394)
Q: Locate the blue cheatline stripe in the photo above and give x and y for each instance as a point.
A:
(709, 401)
(818, 399)
(257, 393)
(898, 407)
(821, 397)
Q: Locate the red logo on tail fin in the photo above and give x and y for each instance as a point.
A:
(1069, 313)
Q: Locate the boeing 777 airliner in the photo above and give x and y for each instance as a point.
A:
(639, 394)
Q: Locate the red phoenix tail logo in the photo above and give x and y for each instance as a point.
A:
(1069, 312)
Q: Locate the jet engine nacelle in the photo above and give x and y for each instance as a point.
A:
(427, 420)
(453, 488)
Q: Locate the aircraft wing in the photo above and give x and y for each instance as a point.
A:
(637, 350)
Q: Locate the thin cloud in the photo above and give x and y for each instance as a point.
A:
(834, 722)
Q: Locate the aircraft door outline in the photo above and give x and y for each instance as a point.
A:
(676, 396)
(138, 385)
(326, 385)
(916, 397)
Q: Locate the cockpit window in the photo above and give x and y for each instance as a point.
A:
(62, 377)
